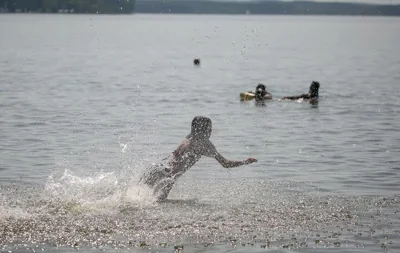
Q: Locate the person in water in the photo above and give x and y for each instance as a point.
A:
(312, 94)
(261, 94)
(162, 177)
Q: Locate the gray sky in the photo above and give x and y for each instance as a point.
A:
(362, 1)
(348, 1)
(352, 1)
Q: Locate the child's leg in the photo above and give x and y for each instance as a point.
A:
(153, 175)
(162, 190)
(157, 178)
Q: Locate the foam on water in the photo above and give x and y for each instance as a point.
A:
(105, 189)
(67, 190)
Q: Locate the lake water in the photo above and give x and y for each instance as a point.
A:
(87, 102)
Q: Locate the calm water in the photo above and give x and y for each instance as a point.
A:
(87, 102)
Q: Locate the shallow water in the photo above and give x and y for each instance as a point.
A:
(87, 102)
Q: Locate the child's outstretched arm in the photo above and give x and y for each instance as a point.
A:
(210, 151)
(304, 96)
(231, 164)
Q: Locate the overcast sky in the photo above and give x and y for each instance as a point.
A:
(362, 1)
(349, 1)
(352, 1)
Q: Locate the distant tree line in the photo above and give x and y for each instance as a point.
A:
(78, 6)
(202, 7)
(265, 7)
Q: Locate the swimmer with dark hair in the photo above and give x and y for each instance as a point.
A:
(261, 94)
(312, 94)
(162, 177)
(196, 62)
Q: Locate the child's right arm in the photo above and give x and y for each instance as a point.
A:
(211, 151)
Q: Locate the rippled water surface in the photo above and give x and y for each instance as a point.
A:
(88, 102)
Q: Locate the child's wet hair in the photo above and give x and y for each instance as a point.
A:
(314, 87)
(261, 86)
(201, 128)
(260, 91)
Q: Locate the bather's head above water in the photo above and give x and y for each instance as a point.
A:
(314, 87)
(201, 128)
(261, 90)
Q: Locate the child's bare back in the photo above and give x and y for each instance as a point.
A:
(196, 145)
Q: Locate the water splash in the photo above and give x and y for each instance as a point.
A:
(106, 190)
